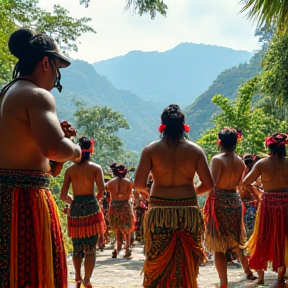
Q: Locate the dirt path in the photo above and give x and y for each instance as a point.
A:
(126, 273)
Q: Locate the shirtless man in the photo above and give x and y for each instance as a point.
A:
(120, 214)
(31, 136)
(270, 232)
(85, 220)
(173, 224)
(223, 208)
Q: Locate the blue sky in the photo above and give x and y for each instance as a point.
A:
(215, 22)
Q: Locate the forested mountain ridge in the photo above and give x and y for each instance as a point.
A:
(81, 82)
(178, 75)
(199, 113)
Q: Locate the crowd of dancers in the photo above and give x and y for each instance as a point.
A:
(176, 231)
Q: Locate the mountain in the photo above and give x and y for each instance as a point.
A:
(81, 82)
(199, 113)
(178, 75)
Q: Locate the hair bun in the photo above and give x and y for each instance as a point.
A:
(19, 41)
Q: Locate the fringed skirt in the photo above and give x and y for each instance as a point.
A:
(269, 241)
(173, 229)
(121, 216)
(31, 248)
(250, 209)
(224, 226)
(85, 222)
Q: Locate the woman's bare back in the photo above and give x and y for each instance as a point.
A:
(227, 170)
(119, 189)
(173, 168)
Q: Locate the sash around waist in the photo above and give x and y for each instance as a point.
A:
(24, 178)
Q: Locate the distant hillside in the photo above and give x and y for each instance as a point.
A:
(198, 114)
(81, 82)
(175, 76)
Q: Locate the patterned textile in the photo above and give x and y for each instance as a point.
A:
(224, 226)
(269, 241)
(172, 229)
(250, 209)
(31, 248)
(85, 222)
(121, 216)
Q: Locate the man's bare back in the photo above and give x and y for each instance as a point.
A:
(119, 189)
(173, 169)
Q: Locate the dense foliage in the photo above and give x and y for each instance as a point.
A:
(58, 24)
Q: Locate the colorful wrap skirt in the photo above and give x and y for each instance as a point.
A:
(85, 222)
(250, 209)
(31, 248)
(224, 225)
(269, 241)
(121, 216)
(173, 229)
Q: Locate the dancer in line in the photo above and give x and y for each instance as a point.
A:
(120, 214)
(173, 224)
(223, 208)
(31, 249)
(269, 241)
(85, 220)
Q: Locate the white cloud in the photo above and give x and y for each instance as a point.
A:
(215, 22)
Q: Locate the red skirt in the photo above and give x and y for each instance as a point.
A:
(32, 252)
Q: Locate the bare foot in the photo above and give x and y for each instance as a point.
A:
(250, 276)
(279, 284)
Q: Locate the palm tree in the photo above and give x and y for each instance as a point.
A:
(269, 12)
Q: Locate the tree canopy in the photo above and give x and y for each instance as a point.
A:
(26, 13)
(267, 12)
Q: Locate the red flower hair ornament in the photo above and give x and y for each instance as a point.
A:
(162, 127)
(186, 128)
(91, 149)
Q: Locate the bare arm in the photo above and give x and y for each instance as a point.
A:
(252, 176)
(46, 129)
(204, 174)
(65, 187)
(143, 171)
(99, 180)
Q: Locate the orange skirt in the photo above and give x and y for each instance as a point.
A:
(269, 241)
(173, 230)
(32, 252)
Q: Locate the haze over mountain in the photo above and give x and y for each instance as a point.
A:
(178, 75)
(81, 82)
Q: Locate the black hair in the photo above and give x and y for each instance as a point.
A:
(30, 48)
(276, 148)
(174, 119)
(250, 159)
(119, 170)
(228, 137)
(85, 143)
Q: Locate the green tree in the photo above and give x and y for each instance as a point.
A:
(102, 125)
(267, 12)
(147, 6)
(57, 24)
(241, 114)
(274, 80)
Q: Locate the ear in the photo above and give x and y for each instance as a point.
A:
(45, 63)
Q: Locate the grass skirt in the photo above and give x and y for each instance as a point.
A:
(121, 216)
(224, 225)
(269, 241)
(85, 222)
(31, 248)
(172, 230)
